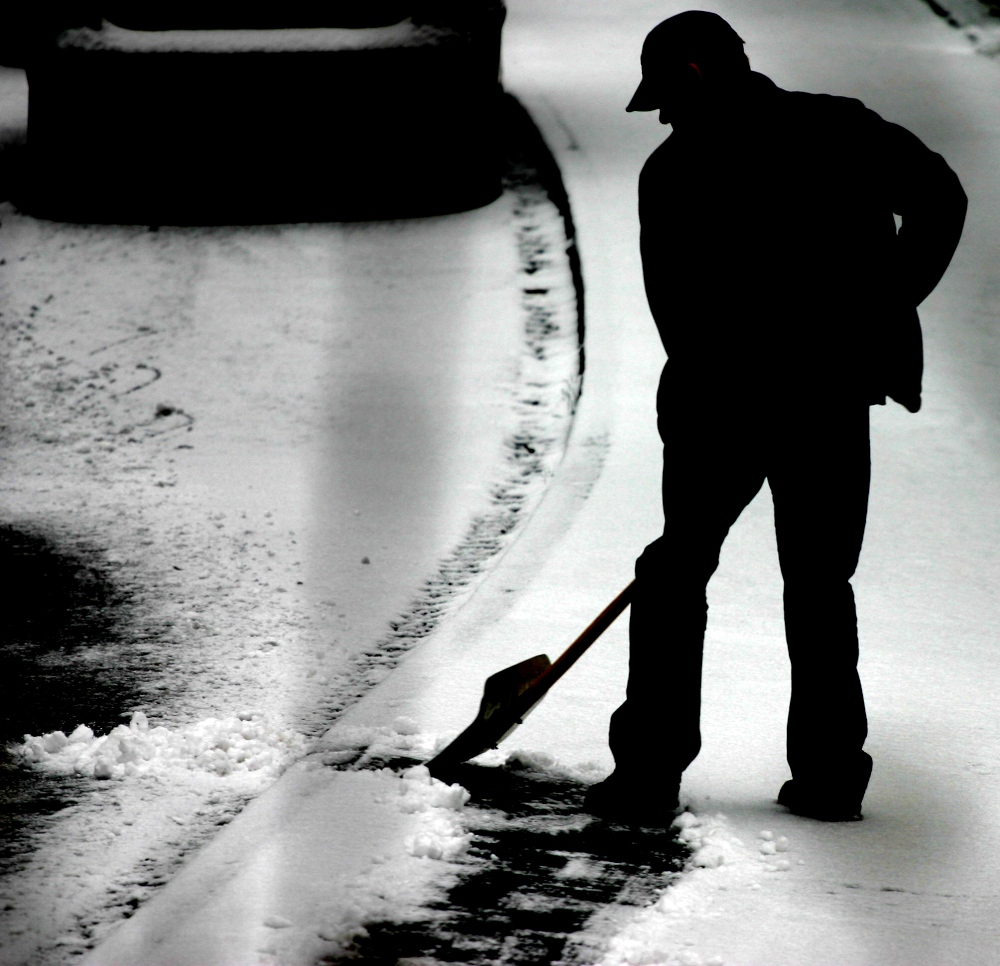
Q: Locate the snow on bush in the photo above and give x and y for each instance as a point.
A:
(247, 742)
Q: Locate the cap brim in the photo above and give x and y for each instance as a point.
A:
(643, 99)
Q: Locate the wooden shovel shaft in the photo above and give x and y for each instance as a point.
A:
(575, 651)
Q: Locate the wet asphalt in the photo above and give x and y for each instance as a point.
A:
(72, 653)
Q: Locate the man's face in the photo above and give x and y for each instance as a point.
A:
(678, 87)
(682, 91)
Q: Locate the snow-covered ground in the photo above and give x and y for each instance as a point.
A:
(297, 448)
(326, 851)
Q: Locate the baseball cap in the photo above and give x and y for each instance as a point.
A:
(684, 38)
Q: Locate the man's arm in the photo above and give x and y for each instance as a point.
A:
(666, 268)
(928, 197)
(651, 246)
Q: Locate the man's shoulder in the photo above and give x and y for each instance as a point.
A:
(824, 108)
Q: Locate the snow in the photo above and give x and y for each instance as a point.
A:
(578, 867)
(977, 21)
(275, 560)
(245, 742)
(326, 852)
(912, 883)
(297, 879)
(237, 498)
(288, 40)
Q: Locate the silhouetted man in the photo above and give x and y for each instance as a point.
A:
(786, 301)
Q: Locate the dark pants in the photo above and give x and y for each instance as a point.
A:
(716, 458)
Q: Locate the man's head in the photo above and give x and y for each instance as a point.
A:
(685, 56)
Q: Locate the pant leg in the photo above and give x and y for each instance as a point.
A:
(819, 471)
(713, 467)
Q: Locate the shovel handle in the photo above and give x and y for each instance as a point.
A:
(597, 627)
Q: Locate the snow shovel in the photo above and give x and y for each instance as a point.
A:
(510, 694)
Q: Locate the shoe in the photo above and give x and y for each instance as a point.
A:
(823, 807)
(646, 801)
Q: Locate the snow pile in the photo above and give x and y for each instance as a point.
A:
(281, 40)
(247, 742)
(711, 845)
(441, 835)
(411, 826)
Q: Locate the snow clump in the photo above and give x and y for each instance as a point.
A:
(772, 845)
(580, 867)
(247, 742)
(711, 845)
(441, 834)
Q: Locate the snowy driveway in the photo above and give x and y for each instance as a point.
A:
(293, 448)
(917, 882)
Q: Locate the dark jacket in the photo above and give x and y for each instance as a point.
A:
(771, 256)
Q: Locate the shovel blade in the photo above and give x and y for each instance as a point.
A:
(511, 693)
(508, 696)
